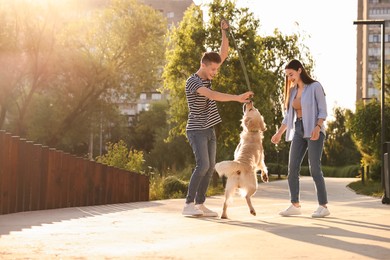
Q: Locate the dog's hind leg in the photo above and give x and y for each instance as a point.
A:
(251, 209)
(249, 201)
(229, 192)
(224, 214)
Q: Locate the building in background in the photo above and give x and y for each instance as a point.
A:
(173, 10)
(369, 47)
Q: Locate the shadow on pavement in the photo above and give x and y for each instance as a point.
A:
(22, 220)
(324, 233)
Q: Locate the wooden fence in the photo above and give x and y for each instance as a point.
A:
(35, 177)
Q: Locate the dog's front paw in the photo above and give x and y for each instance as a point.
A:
(264, 177)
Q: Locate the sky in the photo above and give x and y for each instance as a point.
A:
(330, 37)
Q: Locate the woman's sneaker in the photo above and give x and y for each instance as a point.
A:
(290, 211)
(190, 210)
(321, 212)
(206, 212)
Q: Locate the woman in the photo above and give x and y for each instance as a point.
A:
(306, 112)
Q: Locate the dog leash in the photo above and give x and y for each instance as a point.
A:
(239, 55)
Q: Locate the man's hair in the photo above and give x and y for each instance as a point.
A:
(209, 57)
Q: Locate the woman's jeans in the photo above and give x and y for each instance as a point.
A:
(298, 148)
(204, 147)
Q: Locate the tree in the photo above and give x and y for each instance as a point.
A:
(8, 64)
(377, 81)
(66, 74)
(339, 149)
(103, 121)
(365, 126)
(150, 134)
(143, 130)
(185, 44)
(115, 53)
(26, 49)
(263, 60)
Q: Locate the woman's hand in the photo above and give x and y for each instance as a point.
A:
(276, 138)
(316, 133)
(278, 135)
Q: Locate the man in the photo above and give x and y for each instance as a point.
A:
(203, 116)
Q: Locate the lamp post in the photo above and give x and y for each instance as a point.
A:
(383, 26)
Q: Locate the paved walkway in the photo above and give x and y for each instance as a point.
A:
(358, 228)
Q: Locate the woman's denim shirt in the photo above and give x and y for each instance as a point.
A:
(313, 104)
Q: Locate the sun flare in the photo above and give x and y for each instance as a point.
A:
(67, 4)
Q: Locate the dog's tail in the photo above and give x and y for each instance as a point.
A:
(227, 168)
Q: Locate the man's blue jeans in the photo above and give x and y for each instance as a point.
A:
(204, 147)
(298, 148)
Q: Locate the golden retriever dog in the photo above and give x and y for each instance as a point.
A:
(241, 173)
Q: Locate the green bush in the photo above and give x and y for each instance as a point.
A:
(173, 187)
(349, 171)
(156, 191)
(277, 168)
(282, 169)
(118, 155)
(185, 173)
(305, 171)
(375, 171)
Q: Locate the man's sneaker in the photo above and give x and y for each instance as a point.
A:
(190, 210)
(290, 211)
(321, 212)
(206, 212)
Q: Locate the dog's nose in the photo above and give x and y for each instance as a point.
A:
(247, 106)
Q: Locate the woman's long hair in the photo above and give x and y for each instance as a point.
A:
(306, 79)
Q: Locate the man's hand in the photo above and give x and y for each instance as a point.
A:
(245, 97)
(224, 25)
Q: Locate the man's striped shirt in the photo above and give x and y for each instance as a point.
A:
(203, 112)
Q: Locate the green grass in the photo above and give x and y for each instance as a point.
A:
(369, 188)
